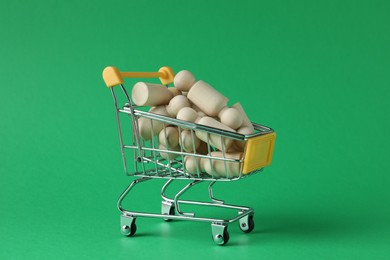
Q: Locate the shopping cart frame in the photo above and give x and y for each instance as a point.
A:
(170, 209)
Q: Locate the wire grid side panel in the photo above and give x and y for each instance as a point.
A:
(154, 153)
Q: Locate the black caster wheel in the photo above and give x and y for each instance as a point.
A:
(220, 238)
(171, 213)
(128, 227)
(129, 231)
(167, 208)
(247, 224)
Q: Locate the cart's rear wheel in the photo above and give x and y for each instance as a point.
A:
(171, 213)
(167, 209)
(247, 224)
(226, 236)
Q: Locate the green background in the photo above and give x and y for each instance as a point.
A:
(315, 71)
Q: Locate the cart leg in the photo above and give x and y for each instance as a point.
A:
(167, 208)
(246, 223)
(163, 189)
(128, 227)
(176, 199)
(127, 221)
(211, 194)
(220, 233)
(126, 191)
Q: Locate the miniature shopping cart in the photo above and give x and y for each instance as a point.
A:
(149, 164)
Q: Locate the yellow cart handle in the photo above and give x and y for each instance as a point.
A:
(113, 77)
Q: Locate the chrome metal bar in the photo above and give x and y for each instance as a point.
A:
(187, 125)
(153, 152)
(215, 203)
(191, 184)
(224, 156)
(163, 189)
(126, 95)
(182, 217)
(244, 210)
(127, 190)
(119, 129)
(181, 150)
(134, 121)
(201, 203)
(185, 216)
(199, 219)
(166, 141)
(261, 129)
(210, 161)
(194, 152)
(184, 153)
(211, 194)
(189, 177)
(203, 178)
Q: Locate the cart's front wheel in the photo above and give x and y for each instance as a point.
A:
(129, 231)
(220, 234)
(247, 224)
(128, 226)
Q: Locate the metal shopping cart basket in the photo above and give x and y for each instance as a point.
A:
(149, 164)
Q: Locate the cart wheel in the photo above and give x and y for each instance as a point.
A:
(167, 209)
(171, 213)
(220, 234)
(247, 224)
(129, 231)
(128, 226)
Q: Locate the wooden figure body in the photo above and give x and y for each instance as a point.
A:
(231, 117)
(175, 91)
(186, 143)
(209, 100)
(177, 103)
(169, 136)
(187, 114)
(245, 122)
(184, 80)
(145, 125)
(192, 165)
(148, 94)
(217, 167)
(169, 156)
(215, 140)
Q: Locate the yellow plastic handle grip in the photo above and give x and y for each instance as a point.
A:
(113, 77)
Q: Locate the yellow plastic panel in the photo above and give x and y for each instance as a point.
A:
(112, 76)
(259, 152)
(167, 75)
